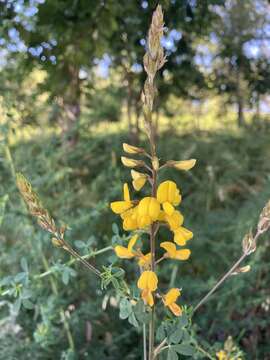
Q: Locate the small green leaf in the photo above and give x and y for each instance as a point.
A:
(80, 244)
(28, 304)
(160, 334)
(132, 320)
(125, 308)
(184, 349)
(172, 355)
(176, 337)
(115, 229)
(65, 277)
(24, 264)
(183, 321)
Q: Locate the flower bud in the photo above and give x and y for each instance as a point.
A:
(182, 165)
(130, 149)
(131, 163)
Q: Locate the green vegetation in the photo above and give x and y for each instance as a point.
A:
(62, 125)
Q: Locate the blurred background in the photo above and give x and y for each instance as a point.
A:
(70, 82)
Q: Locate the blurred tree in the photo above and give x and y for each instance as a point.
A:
(239, 25)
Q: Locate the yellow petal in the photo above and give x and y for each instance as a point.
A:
(148, 280)
(123, 252)
(131, 162)
(171, 296)
(168, 192)
(139, 183)
(132, 242)
(119, 207)
(175, 309)
(168, 208)
(175, 220)
(130, 224)
(130, 149)
(126, 192)
(169, 247)
(149, 206)
(183, 254)
(147, 297)
(144, 221)
(182, 235)
(183, 165)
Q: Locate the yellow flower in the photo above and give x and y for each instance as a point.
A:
(173, 253)
(182, 235)
(130, 219)
(139, 179)
(144, 260)
(169, 300)
(120, 207)
(175, 220)
(182, 165)
(148, 211)
(130, 149)
(169, 196)
(126, 253)
(221, 355)
(131, 163)
(148, 283)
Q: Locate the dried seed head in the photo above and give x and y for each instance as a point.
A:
(248, 243)
(34, 204)
(57, 242)
(264, 220)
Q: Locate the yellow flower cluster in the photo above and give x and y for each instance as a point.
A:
(144, 214)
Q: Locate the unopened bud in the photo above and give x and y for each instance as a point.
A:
(130, 149)
(131, 163)
(182, 165)
(242, 270)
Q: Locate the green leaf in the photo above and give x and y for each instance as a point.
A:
(24, 264)
(80, 244)
(160, 333)
(183, 321)
(184, 349)
(115, 229)
(65, 277)
(176, 337)
(28, 304)
(125, 308)
(132, 320)
(172, 355)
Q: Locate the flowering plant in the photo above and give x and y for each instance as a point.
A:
(143, 218)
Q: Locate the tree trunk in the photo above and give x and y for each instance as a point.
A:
(71, 108)
(239, 98)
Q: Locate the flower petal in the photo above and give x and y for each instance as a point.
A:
(119, 207)
(171, 296)
(123, 252)
(132, 242)
(126, 192)
(175, 220)
(182, 235)
(175, 309)
(169, 247)
(168, 208)
(184, 164)
(147, 297)
(183, 254)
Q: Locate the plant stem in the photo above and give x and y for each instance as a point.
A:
(226, 275)
(73, 260)
(76, 255)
